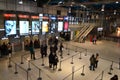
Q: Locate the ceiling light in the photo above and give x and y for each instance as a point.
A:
(20, 2)
(116, 2)
(103, 6)
(114, 12)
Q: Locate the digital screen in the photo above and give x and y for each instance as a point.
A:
(100, 29)
(65, 26)
(24, 27)
(45, 26)
(53, 18)
(60, 26)
(10, 27)
(35, 27)
(66, 18)
(53, 27)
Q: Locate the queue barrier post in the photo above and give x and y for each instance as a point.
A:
(66, 46)
(22, 59)
(68, 52)
(29, 66)
(119, 63)
(83, 71)
(60, 66)
(102, 75)
(80, 56)
(16, 72)
(110, 70)
(27, 75)
(42, 62)
(76, 49)
(73, 73)
(9, 63)
(39, 78)
(72, 60)
(86, 52)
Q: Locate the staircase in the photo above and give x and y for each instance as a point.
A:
(87, 27)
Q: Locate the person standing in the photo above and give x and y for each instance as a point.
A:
(55, 61)
(31, 49)
(51, 57)
(96, 60)
(92, 62)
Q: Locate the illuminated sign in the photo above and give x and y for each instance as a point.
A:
(23, 16)
(9, 15)
(35, 17)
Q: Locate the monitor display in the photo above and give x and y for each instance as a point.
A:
(10, 27)
(45, 26)
(35, 27)
(24, 27)
(60, 26)
(53, 27)
(65, 26)
(100, 29)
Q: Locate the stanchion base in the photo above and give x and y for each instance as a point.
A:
(72, 63)
(82, 74)
(42, 64)
(9, 66)
(61, 57)
(80, 58)
(29, 69)
(111, 68)
(68, 54)
(22, 63)
(59, 69)
(16, 73)
(109, 73)
(39, 78)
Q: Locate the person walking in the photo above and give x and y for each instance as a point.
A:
(96, 60)
(92, 62)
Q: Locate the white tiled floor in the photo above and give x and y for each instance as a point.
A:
(109, 51)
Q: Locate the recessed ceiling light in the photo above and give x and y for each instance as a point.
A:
(116, 2)
(20, 2)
